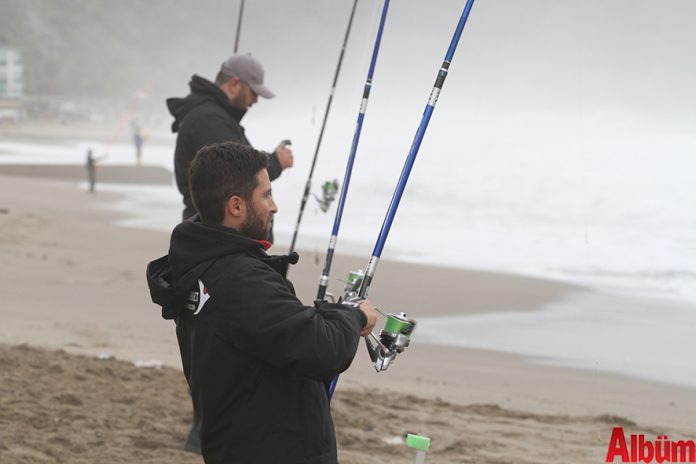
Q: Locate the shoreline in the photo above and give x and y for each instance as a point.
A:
(139, 175)
(53, 132)
(152, 184)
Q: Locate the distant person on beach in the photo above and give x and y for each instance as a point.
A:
(212, 113)
(137, 142)
(254, 356)
(91, 165)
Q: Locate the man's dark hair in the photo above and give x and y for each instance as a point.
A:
(220, 171)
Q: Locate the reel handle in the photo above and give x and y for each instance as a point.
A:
(380, 356)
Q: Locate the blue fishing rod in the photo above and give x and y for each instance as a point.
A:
(394, 338)
(308, 184)
(324, 280)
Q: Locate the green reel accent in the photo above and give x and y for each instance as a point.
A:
(354, 276)
(330, 187)
(418, 442)
(398, 325)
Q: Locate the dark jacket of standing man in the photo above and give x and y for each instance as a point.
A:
(212, 113)
(254, 356)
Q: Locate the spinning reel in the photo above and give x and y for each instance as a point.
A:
(394, 337)
(329, 189)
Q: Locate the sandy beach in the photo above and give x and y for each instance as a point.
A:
(74, 290)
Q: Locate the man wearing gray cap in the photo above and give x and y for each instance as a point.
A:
(212, 113)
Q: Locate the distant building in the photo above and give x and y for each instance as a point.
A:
(11, 81)
(11, 70)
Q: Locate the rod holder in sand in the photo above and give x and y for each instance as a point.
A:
(420, 444)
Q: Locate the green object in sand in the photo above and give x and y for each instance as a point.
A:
(418, 442)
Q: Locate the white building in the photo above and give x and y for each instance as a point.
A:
(11, 70)
(11, 82)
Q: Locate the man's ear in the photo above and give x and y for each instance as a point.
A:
(235, 207)
(232, 87)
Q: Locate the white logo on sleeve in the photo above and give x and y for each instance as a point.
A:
(197, 299)
(203, 296)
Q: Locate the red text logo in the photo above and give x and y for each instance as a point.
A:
(638, 449)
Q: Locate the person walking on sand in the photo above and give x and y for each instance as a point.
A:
(91, 166)
(255, 358)
(137, 142)
(213, 112)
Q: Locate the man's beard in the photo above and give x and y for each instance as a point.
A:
(240, 101)
(254, 226)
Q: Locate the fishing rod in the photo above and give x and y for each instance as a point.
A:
(239, 26)
(395, 336)
(324, 280)
(308, 185)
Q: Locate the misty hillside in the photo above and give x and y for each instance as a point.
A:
(116, 48)
(612, 57)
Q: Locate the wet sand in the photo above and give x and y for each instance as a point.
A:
(141, 175)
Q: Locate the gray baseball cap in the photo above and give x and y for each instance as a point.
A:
(247, 69)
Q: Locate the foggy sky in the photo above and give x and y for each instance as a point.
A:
(547, 54)
(620, 66)
(537, 54)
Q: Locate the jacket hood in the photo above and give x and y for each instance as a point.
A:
(193, 248)
(202, 91)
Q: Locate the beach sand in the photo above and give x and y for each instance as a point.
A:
(72, 281)
(77, 409)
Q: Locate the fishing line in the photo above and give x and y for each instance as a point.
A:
(413, 152)
(308, 184)
(324, 280)
(395, 336)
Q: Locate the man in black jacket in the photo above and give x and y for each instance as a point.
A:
(255, 358)
(212, 113)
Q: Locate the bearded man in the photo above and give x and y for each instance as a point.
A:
(255, 358)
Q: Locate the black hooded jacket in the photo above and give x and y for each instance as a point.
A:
(254, 357)
(205, 116)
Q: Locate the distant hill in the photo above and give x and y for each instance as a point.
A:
(116, 48)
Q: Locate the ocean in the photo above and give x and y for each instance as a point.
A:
(617, 216)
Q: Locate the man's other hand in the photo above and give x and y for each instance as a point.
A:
(371, 312)
(284, 155)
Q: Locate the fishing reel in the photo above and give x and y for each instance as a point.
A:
(394, 337)
(329, 189)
